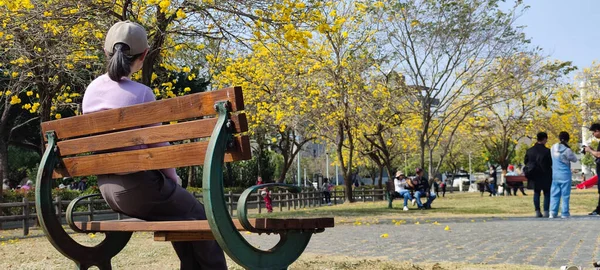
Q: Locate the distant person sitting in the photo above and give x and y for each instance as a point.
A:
(517, 185)
(422, 189)
(401, 188)
(73, 185)
(82, 184)
(6, 184)
(28, 185)
(481, 186)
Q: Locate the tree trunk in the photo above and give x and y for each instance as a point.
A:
(229, 180)
(3, 163)
(380, 183)
(345, 170)
(422, 153)
(372, 177)
(430, 172)
(153, 55)
(190, 178)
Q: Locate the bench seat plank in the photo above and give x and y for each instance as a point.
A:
(174, 156)
(183, 236)
(136, 225)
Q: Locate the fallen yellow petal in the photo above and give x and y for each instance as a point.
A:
(385, 235)
(447, 228)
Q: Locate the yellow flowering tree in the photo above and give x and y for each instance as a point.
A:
(385, 122)
(345, 47)
(282, 97)
(442, 48)
(525, 94)
(49, 55)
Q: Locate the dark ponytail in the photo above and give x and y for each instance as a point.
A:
(119, 64)
(564, 137)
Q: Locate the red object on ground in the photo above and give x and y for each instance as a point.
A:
(588, 183)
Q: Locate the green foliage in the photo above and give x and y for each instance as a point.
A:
(277, 163)
(21, 163)
(17, 195)
(245, 173)
(588, 160)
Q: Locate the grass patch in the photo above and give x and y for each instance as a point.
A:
(453, 205)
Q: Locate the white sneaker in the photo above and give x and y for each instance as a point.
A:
(405, 208)
(329, 204)
(565, 217)
(551, 216)
(414, 202)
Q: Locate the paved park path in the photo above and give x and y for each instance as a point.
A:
(530, 241)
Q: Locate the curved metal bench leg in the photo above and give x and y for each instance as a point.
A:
(291, 244)
(84, 257)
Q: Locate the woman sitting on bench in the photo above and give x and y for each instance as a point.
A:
(400, 188)
(148, 195)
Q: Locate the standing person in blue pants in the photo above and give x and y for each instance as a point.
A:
(562, 156)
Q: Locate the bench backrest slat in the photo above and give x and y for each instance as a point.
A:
(181, 155)
(149, 135)
(516, 178)
(174, 109)
(104, 142)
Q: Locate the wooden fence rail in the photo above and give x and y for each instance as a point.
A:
(280, 200)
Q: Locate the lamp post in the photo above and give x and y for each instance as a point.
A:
(327, 165)
(305, 177)
(585, 135)
(337, 182)
(470, 172)
(298, 158)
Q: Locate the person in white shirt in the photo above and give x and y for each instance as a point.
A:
(400, 187)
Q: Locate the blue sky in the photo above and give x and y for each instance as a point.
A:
(568, 30)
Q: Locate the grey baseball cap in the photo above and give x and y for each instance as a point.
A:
(129, 33)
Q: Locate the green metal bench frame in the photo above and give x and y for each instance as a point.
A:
(291, 244)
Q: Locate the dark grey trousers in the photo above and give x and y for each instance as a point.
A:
(149, 195)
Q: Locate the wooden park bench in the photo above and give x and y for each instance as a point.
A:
(390, 193)
(512, 180)
(80, 146)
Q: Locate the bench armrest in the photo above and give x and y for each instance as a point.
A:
(242, 209)
(83, 256)
(292, 242)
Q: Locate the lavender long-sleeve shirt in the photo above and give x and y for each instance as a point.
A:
(104, 94)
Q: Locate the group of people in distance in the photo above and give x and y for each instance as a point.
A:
(414, 189)
(549, 171)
